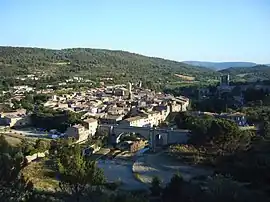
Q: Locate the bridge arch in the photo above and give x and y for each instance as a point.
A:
(131, 135)
(158, 140)
(155, 136)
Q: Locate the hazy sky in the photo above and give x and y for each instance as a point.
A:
(207, 30)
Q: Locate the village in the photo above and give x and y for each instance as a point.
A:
(120, 105)
(127, 129)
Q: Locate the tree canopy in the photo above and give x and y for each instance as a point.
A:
(94, 63)
(77, 174)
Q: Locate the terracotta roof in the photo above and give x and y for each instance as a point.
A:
(78, 126)
(134, 118)
(90, 120)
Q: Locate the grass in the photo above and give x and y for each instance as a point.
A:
(13, 141)
(61, 63)
(191, 155)
(184, 77)
(15, 138)
(42, 175)
(138, 177)
(186, 153)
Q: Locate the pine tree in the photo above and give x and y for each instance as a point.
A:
(76, 174)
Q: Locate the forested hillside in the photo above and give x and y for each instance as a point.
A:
(259, 72)
(94, 63)
(220, 65)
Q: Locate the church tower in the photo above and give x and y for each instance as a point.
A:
(130, 97)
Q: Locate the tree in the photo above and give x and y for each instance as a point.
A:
(249, 166)
(266, 128)
(226, 136)
(17, 191)
(251, 95)
(236, 91)
(155, 186)
(13, 185)
(219, 134)
(132, 67)
(40, 98)
(16, 104)
(173, 192)
(27, 102)
(11, 162)
(76, 174)
(126, 197)
(224, 189)
(41, 145)
(26, 147)
(4, 146)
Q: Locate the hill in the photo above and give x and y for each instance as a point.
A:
(258, 72)
(94, 63)
(220, 65)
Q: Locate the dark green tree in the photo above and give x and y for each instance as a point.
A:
(41, 145)
(266, 128)
(16, 104)
(173, 192)
(27, 147)
(76, 174)
(13, 185)
(224, 189)
(156, 188)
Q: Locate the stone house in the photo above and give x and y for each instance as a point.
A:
(79, 132)
(91, 125)
(17, 118)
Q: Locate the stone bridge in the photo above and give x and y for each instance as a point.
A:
(157, 137)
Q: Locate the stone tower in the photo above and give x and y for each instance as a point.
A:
(129, 91)
(225, 80)
(140, 84)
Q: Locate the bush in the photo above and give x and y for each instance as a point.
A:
(187, 153)
(112, 186)
(138, 177)
(183, 149)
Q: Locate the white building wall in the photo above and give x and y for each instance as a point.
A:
(93, 128)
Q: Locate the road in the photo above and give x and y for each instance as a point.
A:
(26, 132)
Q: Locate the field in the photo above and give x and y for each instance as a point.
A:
(42, 175)
(61, 63)
(13, 138)
(184, 77)
(13, 141)
(40, 172)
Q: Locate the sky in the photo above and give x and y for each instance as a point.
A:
(204, 30)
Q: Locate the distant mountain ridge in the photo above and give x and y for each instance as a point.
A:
(221, 65)
(258, 72)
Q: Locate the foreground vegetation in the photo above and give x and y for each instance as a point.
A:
(74, 177)
(220, 143)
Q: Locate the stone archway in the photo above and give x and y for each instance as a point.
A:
(158, 140)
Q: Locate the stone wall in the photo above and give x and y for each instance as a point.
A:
(35, 156)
